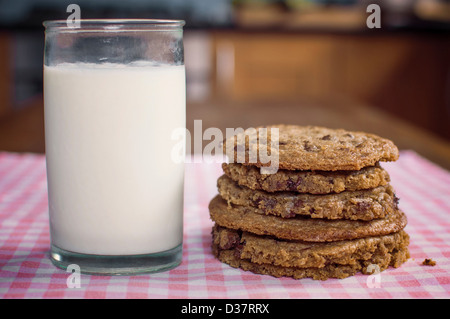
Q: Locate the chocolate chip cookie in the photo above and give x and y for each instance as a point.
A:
(313, 182)
(246, 218)
(310, 148)
(356, 205)
(269, 255)
(327, 210)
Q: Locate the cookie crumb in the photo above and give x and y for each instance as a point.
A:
(429, 262)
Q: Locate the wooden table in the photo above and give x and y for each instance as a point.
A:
(23, 131)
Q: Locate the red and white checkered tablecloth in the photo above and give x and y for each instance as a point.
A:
(26, 271)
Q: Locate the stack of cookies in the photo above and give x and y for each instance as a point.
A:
(327, 212)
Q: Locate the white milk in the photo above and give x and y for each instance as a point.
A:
(113, 187)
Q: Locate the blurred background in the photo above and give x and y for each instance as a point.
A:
(257, 62)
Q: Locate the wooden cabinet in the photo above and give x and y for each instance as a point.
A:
(276, 66)
(406, 74)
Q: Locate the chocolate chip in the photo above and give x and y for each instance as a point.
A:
(232, 240)
(270, 203)
(326, 137)
(396, 201)
(298, 203)
(225, 239)
(289, 214)
(291, 185)
(362, 206)
(256, 201)
(238, 251)
(309, 147)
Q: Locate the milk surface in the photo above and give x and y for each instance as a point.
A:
(113, 187)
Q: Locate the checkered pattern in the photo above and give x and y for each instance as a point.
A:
(26, 272)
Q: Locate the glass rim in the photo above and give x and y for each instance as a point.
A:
(114, 25)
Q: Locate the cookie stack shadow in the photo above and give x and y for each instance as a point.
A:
(328, 212)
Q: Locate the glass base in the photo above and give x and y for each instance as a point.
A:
(117, 265)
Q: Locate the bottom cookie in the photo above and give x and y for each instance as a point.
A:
(269, 256)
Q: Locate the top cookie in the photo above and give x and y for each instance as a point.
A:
(310, 148)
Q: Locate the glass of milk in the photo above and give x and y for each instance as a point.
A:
(114, 91)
